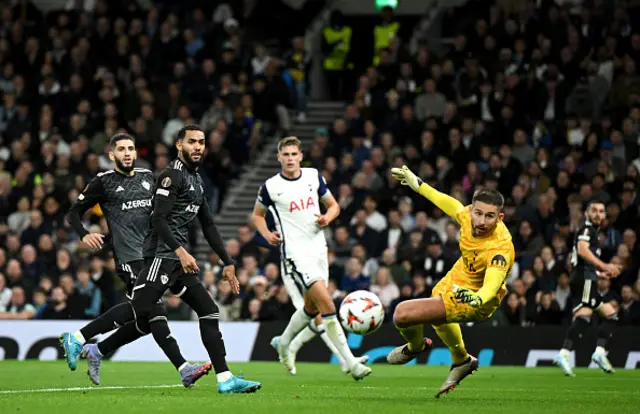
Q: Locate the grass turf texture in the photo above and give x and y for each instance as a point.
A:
(317, 388)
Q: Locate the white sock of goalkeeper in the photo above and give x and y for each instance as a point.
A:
(297, 323)
(336, 335)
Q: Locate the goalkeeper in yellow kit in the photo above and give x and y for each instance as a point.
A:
(471, 290)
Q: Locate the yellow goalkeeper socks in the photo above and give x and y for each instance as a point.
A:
(451, 335)
(414, 336)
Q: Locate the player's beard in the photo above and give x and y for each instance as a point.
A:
(186, 157)
(595, 221)
(482, 233)
(121, 167)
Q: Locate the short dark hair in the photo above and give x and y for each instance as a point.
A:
(183, 131)
(488, 196)
(119, 137)
(595, 201)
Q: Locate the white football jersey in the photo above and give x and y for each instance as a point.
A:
(295, 202)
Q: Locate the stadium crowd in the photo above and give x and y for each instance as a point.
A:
(72, 78)
(540, 103)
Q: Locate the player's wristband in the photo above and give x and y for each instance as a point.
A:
(231, 262)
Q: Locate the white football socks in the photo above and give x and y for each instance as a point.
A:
(224, 376)
(302, 338)
(310, 332)
(336, 335)
(297, 323)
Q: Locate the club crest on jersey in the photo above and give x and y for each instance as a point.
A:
(499, 261)
(164, 279)
(166, 182)
(146, 185)
(294, 206)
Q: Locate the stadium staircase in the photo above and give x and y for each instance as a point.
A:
(242, 193)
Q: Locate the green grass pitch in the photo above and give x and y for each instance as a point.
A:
(134, 387)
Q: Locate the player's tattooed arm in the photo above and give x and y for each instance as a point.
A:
(90, 196)
(165, 196)
(212, 235)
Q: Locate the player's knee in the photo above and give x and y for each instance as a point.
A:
(159, 326)
(142, 325)
(402, 316)
(325, 307)
(207, 308)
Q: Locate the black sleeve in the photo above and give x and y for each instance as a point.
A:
(584, 233)
(212, 234)
(90, 196)
(165, 195)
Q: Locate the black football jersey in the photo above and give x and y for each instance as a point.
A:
(125, 201)
(185, 188)
(583, 270)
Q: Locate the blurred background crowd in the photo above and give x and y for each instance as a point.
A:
(538, 100)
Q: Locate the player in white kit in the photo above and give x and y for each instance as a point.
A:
(295, 195)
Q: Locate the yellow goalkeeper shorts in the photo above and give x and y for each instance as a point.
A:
(461, 312)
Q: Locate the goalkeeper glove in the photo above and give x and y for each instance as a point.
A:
(407, 177)
(468, 296)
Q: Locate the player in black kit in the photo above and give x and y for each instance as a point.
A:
(586, 268)
(124, 195)
(178, 199)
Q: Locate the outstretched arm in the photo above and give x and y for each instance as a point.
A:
(444, 202)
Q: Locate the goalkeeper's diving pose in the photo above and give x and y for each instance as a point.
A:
(471, 290)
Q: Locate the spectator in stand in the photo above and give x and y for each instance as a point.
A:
(353, 278)
(549, 117)
(384, 286)
(629, 307)
(298, 61)
(18, 308)
(56, 308)
(5, 294)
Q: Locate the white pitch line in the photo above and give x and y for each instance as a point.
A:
(113, 387)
